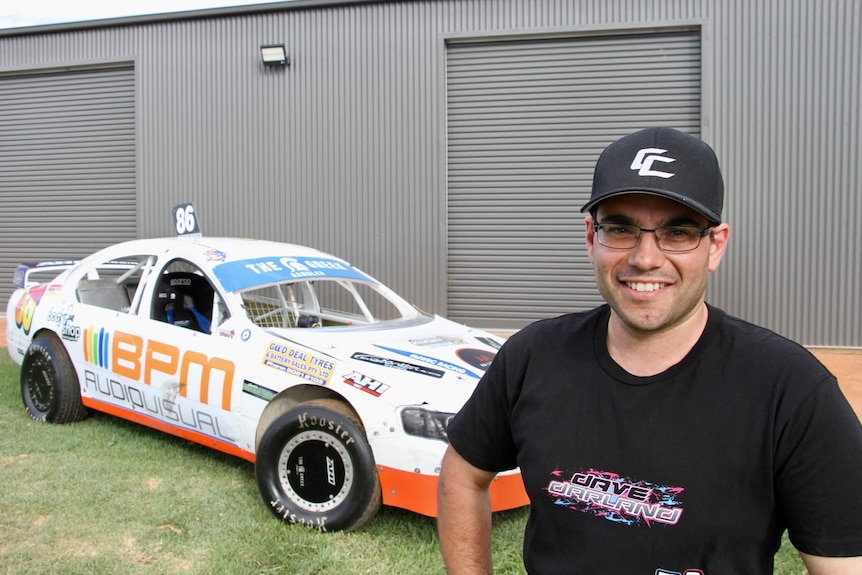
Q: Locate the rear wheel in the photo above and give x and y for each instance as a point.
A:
(314, 467)
(49, 384)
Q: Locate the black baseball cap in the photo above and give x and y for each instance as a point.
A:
(664, 162)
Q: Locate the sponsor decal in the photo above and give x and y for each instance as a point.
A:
(64, 321)
(476, 357)
(437, 341)
(251, 272)
(299, 362)
(616, 498)
(26, 307)
(245, 335)
(146, 400)
(136, 358)
(432, 361)
(396, 364)
(70, 331)
(365, 383)
(213, 255)
(228, 333)
(490, 342)
(257, 390)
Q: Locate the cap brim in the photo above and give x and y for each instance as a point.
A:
(702, 210)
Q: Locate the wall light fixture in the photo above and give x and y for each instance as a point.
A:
(274, 55)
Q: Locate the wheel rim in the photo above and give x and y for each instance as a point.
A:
(39, 386)
(315, 471)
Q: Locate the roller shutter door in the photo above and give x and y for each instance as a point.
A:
(67, 165)
(526, 121)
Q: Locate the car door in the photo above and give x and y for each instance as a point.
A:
(188, 367)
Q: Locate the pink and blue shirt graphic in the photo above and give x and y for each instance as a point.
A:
(616, 498)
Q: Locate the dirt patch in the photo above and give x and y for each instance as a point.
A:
(846, 364)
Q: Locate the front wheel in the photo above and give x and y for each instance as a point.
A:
(314, 467)
(49, 384)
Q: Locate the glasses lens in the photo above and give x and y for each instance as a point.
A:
(619, 236)
(678, 238)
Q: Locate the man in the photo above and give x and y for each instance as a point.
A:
(657, 434)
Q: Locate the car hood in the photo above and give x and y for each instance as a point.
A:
(436, 362)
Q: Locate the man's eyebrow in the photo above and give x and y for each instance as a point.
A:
(683, 221)
(616, 219)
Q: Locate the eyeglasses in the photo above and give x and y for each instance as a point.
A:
(672, 239)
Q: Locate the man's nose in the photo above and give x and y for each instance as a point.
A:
(647, 254)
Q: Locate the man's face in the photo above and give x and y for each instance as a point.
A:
(649, 290)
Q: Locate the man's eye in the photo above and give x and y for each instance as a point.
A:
(619, 230)
(680, 233)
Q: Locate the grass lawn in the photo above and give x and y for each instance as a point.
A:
(104, 496)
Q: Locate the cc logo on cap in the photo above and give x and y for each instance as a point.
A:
(644, 159)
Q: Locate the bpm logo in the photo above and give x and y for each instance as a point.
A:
(137, 359)
(644, 159)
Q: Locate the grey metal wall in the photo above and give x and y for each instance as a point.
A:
(67, 165)
(346, 149)
(784, 88)
(526, 121)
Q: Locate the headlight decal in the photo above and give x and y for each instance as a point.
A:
(425, 423)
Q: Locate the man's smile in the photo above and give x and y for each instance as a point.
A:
(645, 286)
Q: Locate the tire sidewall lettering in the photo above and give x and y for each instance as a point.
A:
(307, 421)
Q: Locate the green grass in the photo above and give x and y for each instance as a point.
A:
(108, 496)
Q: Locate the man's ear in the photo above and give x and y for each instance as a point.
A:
(588, 222)
(717, 245)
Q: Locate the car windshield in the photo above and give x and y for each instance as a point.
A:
(324, 303)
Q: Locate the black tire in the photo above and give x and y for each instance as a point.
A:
(49, 384)
(314, 467)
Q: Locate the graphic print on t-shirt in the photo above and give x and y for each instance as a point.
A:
(616, 498)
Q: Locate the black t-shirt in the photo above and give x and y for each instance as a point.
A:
(698, 469)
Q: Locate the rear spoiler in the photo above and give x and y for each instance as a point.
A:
(23, 272)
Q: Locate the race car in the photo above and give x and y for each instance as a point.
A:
(336, 389)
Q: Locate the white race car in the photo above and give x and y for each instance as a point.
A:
(338, 390)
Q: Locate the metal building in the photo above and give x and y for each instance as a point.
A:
(446, 146)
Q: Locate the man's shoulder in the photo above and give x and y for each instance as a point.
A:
(762, 346)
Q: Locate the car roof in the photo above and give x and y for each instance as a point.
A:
(241, 263)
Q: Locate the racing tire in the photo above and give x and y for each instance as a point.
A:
(314, 467)
(49, 384)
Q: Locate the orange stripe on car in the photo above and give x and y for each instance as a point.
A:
(417, 492)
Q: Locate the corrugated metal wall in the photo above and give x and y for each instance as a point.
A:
(526, 121)
(67, 165)
(784, 88)
(345, 149)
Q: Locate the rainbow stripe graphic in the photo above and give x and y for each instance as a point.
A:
(96, 345)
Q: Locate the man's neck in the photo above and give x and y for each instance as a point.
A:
(649, 353)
